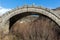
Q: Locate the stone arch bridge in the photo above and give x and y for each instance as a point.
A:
(5, 18)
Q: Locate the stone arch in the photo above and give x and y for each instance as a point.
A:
(41, 10)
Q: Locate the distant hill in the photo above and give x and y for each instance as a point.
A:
(58, 8)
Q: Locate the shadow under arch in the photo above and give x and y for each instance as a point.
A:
(15, 18)
(19, 16)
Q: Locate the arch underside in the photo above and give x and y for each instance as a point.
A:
(15, 18)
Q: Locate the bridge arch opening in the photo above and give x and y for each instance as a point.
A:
(15, 18)
(40, 24)
(20, 16)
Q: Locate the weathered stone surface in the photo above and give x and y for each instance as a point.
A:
(4, 19)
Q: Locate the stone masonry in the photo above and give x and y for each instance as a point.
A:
(4, 19)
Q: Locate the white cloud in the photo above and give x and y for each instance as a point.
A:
(3, 10)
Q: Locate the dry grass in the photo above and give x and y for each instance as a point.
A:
(40, 29)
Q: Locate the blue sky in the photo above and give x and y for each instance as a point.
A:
(44, 3)
(6, 5)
